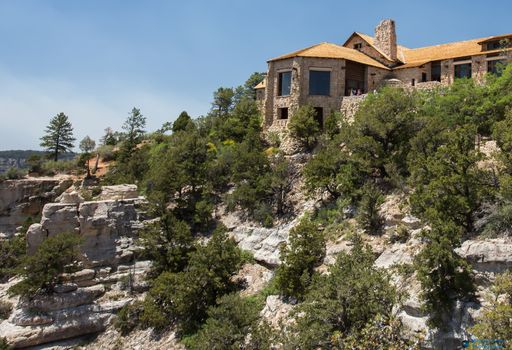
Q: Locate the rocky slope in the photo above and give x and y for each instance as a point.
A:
(111, 275)
(87, 300)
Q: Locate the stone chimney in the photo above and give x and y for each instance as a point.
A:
(385, 38)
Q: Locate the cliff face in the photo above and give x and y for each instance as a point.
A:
(24, 199)
(87, 300)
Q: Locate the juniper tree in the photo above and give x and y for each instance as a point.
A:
(59, 136)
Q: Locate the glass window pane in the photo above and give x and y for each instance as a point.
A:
(463, 70)
(285, 83)
(319, 83)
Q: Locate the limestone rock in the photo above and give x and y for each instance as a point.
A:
(395, 255)
(25, 198)
(275, 310)
(58, 301)
(493, 255)
(101, 224)
(255, 277)
(118, 192)
(72, 197)
(35, 236)
(263, 242)
(59, 218)
(67, 323)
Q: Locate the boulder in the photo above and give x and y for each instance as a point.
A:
(72, 197)
(255, 278)
(493, 255)
(101, 223)
(67, 323)
(116, 192)
(35, 236)
(58, 218)
(263, 242)
(275, 310)
(396, 254)
(23, 199)
(59, 301)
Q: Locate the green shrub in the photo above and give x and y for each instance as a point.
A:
(52, 167)
(305, 251)
(42, 269)
(168, 243)
(499, 221)
(368, 215)
(106, 153)
(5, 310)
(304, 127)
(342, 302)
(4, 345)
(15, 174)
(444, 275)
(184, 297)
(228, 324)
(128, 318)
(495, 320)
(12, 252)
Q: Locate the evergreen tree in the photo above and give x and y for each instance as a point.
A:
(183, 122)
(87, 145)
(109, 138)
(304, 127)
(59, 136)
(300, 256)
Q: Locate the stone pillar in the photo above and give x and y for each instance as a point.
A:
(385, 38)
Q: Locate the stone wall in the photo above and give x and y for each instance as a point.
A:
(350, 105)
(385, 38)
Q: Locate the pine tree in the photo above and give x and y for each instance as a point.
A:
(87, 145)
(59, 136)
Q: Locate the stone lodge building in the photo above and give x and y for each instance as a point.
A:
(333, 77)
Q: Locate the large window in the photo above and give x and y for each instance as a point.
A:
(463, 70)
(285, 83)
(319, 82)
(496, 66)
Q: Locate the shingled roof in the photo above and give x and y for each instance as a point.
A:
(329, 50)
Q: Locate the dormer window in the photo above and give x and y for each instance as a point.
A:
(358, 46)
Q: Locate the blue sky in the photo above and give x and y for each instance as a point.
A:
(96, 59)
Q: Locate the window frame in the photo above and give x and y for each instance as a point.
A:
(458, 65)
(319, 70)
(280, 74)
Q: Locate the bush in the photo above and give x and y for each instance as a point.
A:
(52, 167)
(168, 243)
(341, 302)
(42, 269)
(5, 310)
(368, 215)
(4, 345)
(304, 127)
(227, 326)
(15, 174)
(11, 254)
(305, 251)
(184, 297)
(106, 153)
(444, 275)
(128, 318)
(495, 320)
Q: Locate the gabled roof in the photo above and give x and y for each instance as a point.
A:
(497, 37)
(262, 84)
(329, 50)
(422, 55)
(370, 40)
